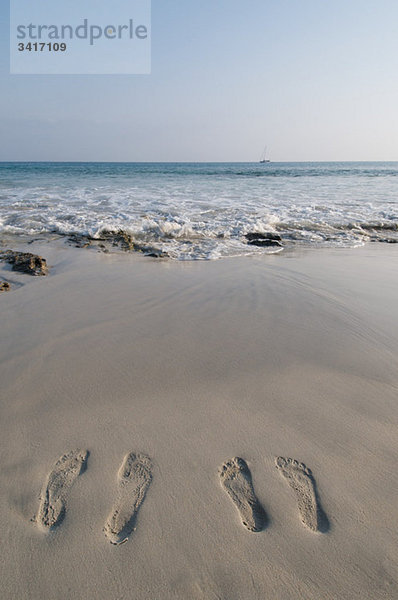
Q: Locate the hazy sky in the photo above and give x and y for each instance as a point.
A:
(314, 80)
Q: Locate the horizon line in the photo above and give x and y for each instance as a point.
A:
(204, 162)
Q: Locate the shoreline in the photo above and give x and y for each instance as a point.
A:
(202, 211)
(123, 241)
(192, 364)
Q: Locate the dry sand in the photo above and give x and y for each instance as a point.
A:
(161, 373)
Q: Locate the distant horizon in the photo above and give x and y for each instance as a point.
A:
(193, 162)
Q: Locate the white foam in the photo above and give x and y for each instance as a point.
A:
(203, 216)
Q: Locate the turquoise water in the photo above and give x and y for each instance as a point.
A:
(204, 210)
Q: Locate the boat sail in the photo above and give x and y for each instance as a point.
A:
(264, 158)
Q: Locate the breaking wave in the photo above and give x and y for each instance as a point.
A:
(204, 211)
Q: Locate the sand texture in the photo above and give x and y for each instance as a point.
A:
(300, 479)
(60, 480)
(237, 481)
(134, 477)
(167, 370)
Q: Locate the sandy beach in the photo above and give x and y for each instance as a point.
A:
(160, 372)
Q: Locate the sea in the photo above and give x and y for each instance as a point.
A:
(204, 211)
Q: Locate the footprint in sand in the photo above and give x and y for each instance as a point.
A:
(236, 479)
(60, 480)
(300, 479)
(135, 476)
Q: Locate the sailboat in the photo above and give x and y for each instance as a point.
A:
(263, 158)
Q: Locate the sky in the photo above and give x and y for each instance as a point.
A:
(313, 80)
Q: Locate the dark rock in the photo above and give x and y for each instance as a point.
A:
(381, 240)
(118, 238)
(125, 240)
(4, 286)
(150, 251)
(265, 243)
(25, 262)
(156, 254)
(79, 240)
(257, 236)
(379, 226)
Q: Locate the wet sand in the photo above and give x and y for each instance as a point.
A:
(236, 421)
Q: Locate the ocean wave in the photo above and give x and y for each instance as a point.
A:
(201, 211)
